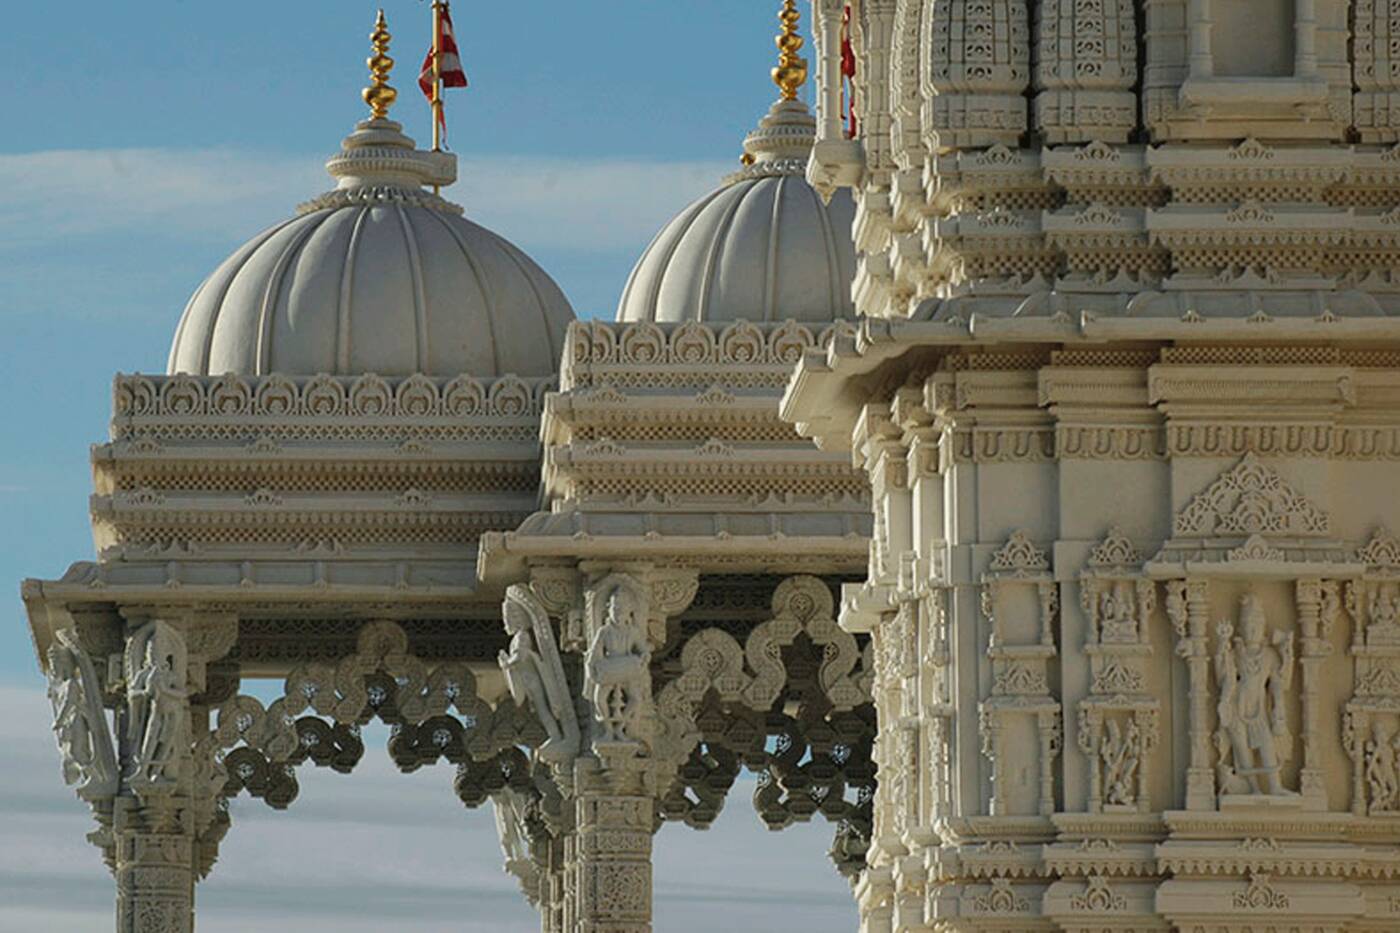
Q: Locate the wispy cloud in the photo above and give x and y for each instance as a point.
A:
(592, 205)
(379, 849)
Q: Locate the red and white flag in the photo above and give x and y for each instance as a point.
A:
(449, 64)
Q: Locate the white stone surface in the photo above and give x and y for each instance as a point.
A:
(378, 276)
(761, 247)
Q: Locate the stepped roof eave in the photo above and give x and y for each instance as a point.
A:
(824, 394)
(230, 585)
(504, 557)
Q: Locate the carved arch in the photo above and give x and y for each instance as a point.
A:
(323, 706)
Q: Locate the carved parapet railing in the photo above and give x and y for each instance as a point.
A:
(143, 403)
(692, 353)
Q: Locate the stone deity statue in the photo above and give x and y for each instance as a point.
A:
(1384, 626)
(158, 704)
(1121, 753)
(1252, 676)
(1380, 770)
(79, 723)
(618, 664)
(1117, 611)
(535, 673)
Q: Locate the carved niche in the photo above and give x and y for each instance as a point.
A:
(1018, 715)
(1118, 722)
(1371, 730)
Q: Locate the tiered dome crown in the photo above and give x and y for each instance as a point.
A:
(763, 246)
(379, 275)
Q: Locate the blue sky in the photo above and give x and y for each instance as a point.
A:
(142, 144)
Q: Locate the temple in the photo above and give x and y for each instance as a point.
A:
(998, 464)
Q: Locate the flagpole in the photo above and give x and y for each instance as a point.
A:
(437, 74)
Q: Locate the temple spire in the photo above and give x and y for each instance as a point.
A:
(791, 71)
(379, 95)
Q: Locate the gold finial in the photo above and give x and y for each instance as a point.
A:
(791, 72)
(379, 95)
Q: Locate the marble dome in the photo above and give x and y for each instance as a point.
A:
(378, 275)
(763, 246)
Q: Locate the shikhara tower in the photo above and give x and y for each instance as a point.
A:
(1089, 310)
(1125, 386)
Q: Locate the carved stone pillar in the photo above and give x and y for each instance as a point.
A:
(612, 853)
(154, 867)
(598, 873)
(1189, 608)
(150, 773)
(1318, 605)
(166, 825)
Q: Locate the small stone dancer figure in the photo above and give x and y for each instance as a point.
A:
(618, 663)
(158, 704)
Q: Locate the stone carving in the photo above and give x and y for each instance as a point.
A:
(1259, 894)
(1381, 773)
(512, 830)
(1121, 754)
(755, 676)
(79, 720)
(1251, 499)
(1086, 64)
(535, 673)
(1253, 676)
(980, 59)
(416, 396)
(1383, 624)
(1098, 897)
(617, 666)
(158, 706)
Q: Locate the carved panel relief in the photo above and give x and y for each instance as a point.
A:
(1118, 721)
(1020, 602)
(979, 57)
(1371, 731)
(1086, 66)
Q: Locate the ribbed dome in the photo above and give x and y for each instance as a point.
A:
(761, 247)
(379, 275)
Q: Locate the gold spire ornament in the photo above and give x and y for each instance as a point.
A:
(791, 72)
(379, 95)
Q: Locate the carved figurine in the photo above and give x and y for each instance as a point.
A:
(618, 664)
(535, 673)
(1384, 626)
(1118, 612)
(158, 704)
(1121, 754)
(510, 808)
(79, 723)
(1380, 769)
(1252, 677)
(512, 829)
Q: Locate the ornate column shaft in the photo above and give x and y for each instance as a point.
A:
(612, 855)
(617, 777)
(150, 776)
(1189, 607)
(1315, 649)
(154, 868)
